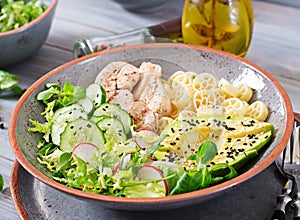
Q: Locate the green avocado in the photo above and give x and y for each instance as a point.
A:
(238, 140)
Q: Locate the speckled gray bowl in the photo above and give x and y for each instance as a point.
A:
(141, 6)
(171, 57)
(19, 44)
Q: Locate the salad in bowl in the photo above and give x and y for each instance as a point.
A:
(132, 134)
(151, 127)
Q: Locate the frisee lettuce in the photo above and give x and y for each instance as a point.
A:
(100, 176)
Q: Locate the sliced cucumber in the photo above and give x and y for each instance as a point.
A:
(97, 118)
(96, 93)
(66, 109)
(115, 111)
(81, 131)
(86, 104)
(113, 129)
(62, 118)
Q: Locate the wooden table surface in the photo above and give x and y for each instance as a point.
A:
(275, 47)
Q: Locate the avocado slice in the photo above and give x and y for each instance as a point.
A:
(238, 139)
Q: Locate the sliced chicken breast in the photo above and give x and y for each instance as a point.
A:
(123, 98)
(128, 77)
(143, 117)
(107, 78)
(151, 90)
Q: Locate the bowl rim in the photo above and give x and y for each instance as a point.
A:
(161, 200)
(33, 22)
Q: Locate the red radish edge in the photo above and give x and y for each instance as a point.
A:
(141, 142)
(147, 172)
(79, 150)
(126, 159)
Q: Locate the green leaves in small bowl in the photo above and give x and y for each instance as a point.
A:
(15, 14)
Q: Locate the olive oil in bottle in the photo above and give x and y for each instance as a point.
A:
(221, 24)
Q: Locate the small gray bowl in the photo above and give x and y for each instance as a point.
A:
(141, 6)
(19, 44)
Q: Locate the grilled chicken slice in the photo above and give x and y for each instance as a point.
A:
(123, 98)
(142, 117)
(151, 90)
(117, 76)
(128, 77)
(107, 78)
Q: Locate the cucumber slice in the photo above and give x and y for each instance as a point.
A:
(63, 110)
(62, 118)
(96, 93)
(115, 111)
(81, 131)
(113, 129)
(97, 118)
(86, 104)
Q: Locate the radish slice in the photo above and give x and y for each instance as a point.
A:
(145, 138)
(149, 172)
(124, 163)
(86, 151)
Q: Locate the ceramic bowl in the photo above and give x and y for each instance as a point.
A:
(19, 44)
(141, 6)
(171, 57)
